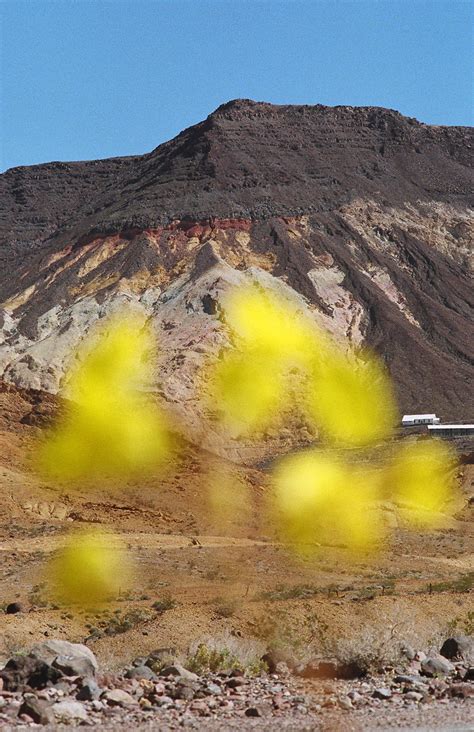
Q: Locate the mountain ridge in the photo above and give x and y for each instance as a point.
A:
(363, 216)
(201, 153)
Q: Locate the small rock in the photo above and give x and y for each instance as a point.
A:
(436, 665)
(408, 679)
(345, 703)
(14, 607)
(89, 691)
(118, 698)
(68, 711)
(177, 670)
(26, 719)
(21, 671)
(226, 704)
(37, 709)
(462, 690)
(253, 712)
(413, 696)
(201, 707)
(212, 688)
(438, 687)
(382, 693)
(184, 691)
(141, 672)
(164, 701)
(235, 682)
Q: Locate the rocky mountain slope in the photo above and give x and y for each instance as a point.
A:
(360, 215)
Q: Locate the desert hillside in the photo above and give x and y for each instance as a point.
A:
(362, 216)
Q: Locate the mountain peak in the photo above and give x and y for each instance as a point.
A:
(248, 159)
(241, 107)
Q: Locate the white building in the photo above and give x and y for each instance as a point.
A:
(451, 430)
(411, 420)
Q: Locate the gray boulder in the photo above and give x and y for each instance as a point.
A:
(460, 647)
(436, 666)
(75, 666)
(27, 671)
(177, 670)
(69, 711)
(51, 650)
(140, 672)
(118, 698)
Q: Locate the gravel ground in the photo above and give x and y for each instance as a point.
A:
(58, 684)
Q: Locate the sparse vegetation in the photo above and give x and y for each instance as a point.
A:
(300, 639)
(304, 639)
(307, 591)
(37, 596)
(464, 624)
(463, 583)
(370, 650)
(120, 621)
(161, 606)
(225, 608)
(297, 592)
(226, 654)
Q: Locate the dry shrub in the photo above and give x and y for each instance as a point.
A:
(225, 653)
(377, 644)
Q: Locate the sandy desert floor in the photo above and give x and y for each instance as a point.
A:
(233, 582)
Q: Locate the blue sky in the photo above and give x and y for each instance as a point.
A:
(88, 79)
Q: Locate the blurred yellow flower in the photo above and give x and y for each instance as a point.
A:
(111, 427)
(91, 569)
(421, 478)
(350, 400)
(248, 390)
(319, 499)
(271, 325)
